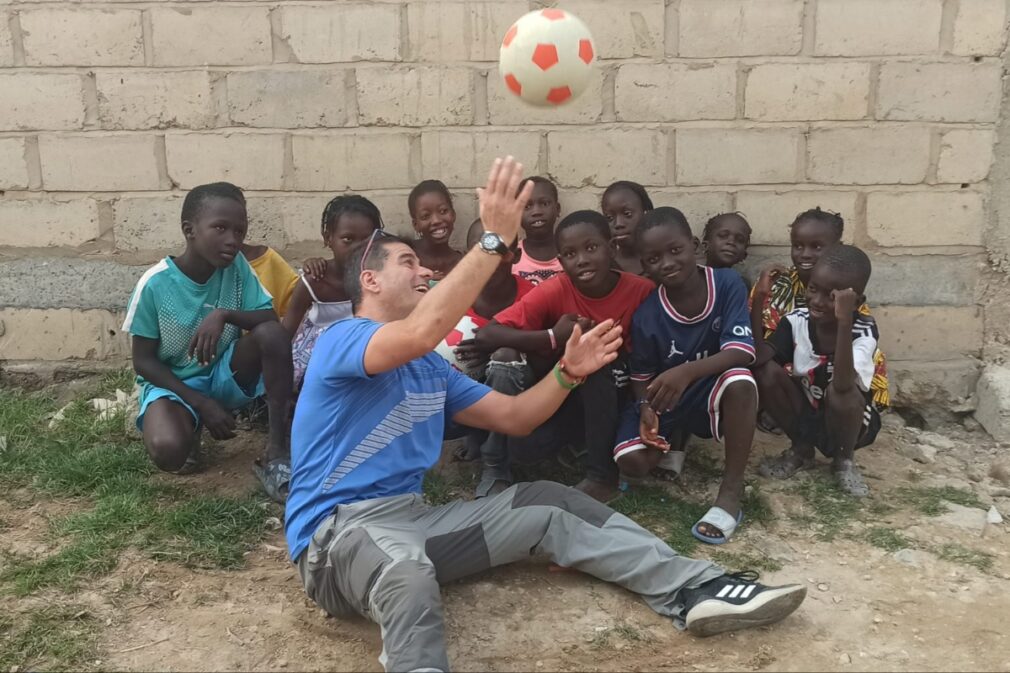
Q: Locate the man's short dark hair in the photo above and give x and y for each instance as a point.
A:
(850, 262)
(378, 253)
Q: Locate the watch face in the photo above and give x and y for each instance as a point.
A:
(491, 242)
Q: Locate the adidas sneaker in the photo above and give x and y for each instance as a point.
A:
(737, 601)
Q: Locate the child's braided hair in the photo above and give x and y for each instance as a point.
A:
(349, 203)
(828, 217)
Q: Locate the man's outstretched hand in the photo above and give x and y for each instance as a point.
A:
(587, 352)
(501, 203)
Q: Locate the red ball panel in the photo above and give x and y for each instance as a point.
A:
(553, 14)
(586, 51)
(513, 84)
(545, 56)
(559, 95)
(510, 35)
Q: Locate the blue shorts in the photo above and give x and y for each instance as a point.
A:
(219, 385)
(698, 412)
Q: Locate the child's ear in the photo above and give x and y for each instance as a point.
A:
(698, 245)
(187, 229)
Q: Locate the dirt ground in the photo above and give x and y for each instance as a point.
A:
(867, 609)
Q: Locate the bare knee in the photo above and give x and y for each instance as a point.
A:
(740, 395)
(506, 355)
(638, 463)
(271, 337)
(168, 450)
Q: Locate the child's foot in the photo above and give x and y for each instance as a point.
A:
(849, 478)
(786, 465)
(275, 476)
(605, 493)
(721, 520)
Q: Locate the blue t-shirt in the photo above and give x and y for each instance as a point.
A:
(357, 437)
(169, 306)
(664, 338)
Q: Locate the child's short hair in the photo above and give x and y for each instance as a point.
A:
(540, 180)
(590, 217)
(715, 219)
(664, 216)
(427, 187)
(349, 203)
(827, 217)
(851, 262)
(202, 193)
(634, 187)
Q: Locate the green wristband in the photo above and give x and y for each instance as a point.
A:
(561, 380)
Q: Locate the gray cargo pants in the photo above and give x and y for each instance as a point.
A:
(384, 558)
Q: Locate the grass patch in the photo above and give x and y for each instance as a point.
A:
(756, 508)
(667, 516)
(736, 561)
(888, 539)
(831, 509)
(91, 459)
(50, 638)
(957, 553)
(624, 631)
(117, 379)
(930, 500)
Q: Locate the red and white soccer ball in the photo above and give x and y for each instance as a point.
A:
(547, 57)
(464, 330)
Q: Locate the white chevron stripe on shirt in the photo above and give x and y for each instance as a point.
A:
(414, 408)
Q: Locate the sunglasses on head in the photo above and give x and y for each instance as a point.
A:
(368, 246)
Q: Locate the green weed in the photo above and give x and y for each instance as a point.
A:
(50, 638)
(94, 460)
(831, 509)
(930, 500)
(887, 539)
(736, 561)
(957, 553)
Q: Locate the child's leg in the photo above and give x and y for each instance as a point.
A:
(600, 398)
(738, 412)
(266, 352)
(509, 375)
(844, 421)
(783, 399)
(169, 434)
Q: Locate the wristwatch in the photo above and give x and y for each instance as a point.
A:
(493, 244)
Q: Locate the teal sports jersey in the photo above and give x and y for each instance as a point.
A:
(169, 306)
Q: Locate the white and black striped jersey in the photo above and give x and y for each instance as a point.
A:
(795, 344)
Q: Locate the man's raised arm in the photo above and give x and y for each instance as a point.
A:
(439, 311)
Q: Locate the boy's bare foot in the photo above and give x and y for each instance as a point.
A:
(786, 465)
(849, 478)
(605, 493)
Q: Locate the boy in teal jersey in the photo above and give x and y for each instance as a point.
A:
(187, 316)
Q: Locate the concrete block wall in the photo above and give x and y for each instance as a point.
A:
(884, 110)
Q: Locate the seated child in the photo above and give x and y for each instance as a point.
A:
(433, 217)
(624, 203)
(275, 274)
(538, 260)
(691, 348)
(195, 366)
(725, 240)
(589, 291)
(318, 302)
(779, 291)
(827, 400)
(504, 369)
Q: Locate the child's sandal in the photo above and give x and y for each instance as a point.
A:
(785, 465)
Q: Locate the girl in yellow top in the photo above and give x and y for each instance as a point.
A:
(275, 274)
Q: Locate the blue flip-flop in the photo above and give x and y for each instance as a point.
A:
(717, 517)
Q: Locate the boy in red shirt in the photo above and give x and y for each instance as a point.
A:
(589, 291)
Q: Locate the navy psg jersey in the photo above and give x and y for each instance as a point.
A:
(662, 338)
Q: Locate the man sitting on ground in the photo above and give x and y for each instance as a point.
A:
(369, 423)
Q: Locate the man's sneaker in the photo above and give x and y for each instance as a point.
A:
(737, 601)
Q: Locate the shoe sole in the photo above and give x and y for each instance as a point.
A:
(713, 616)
